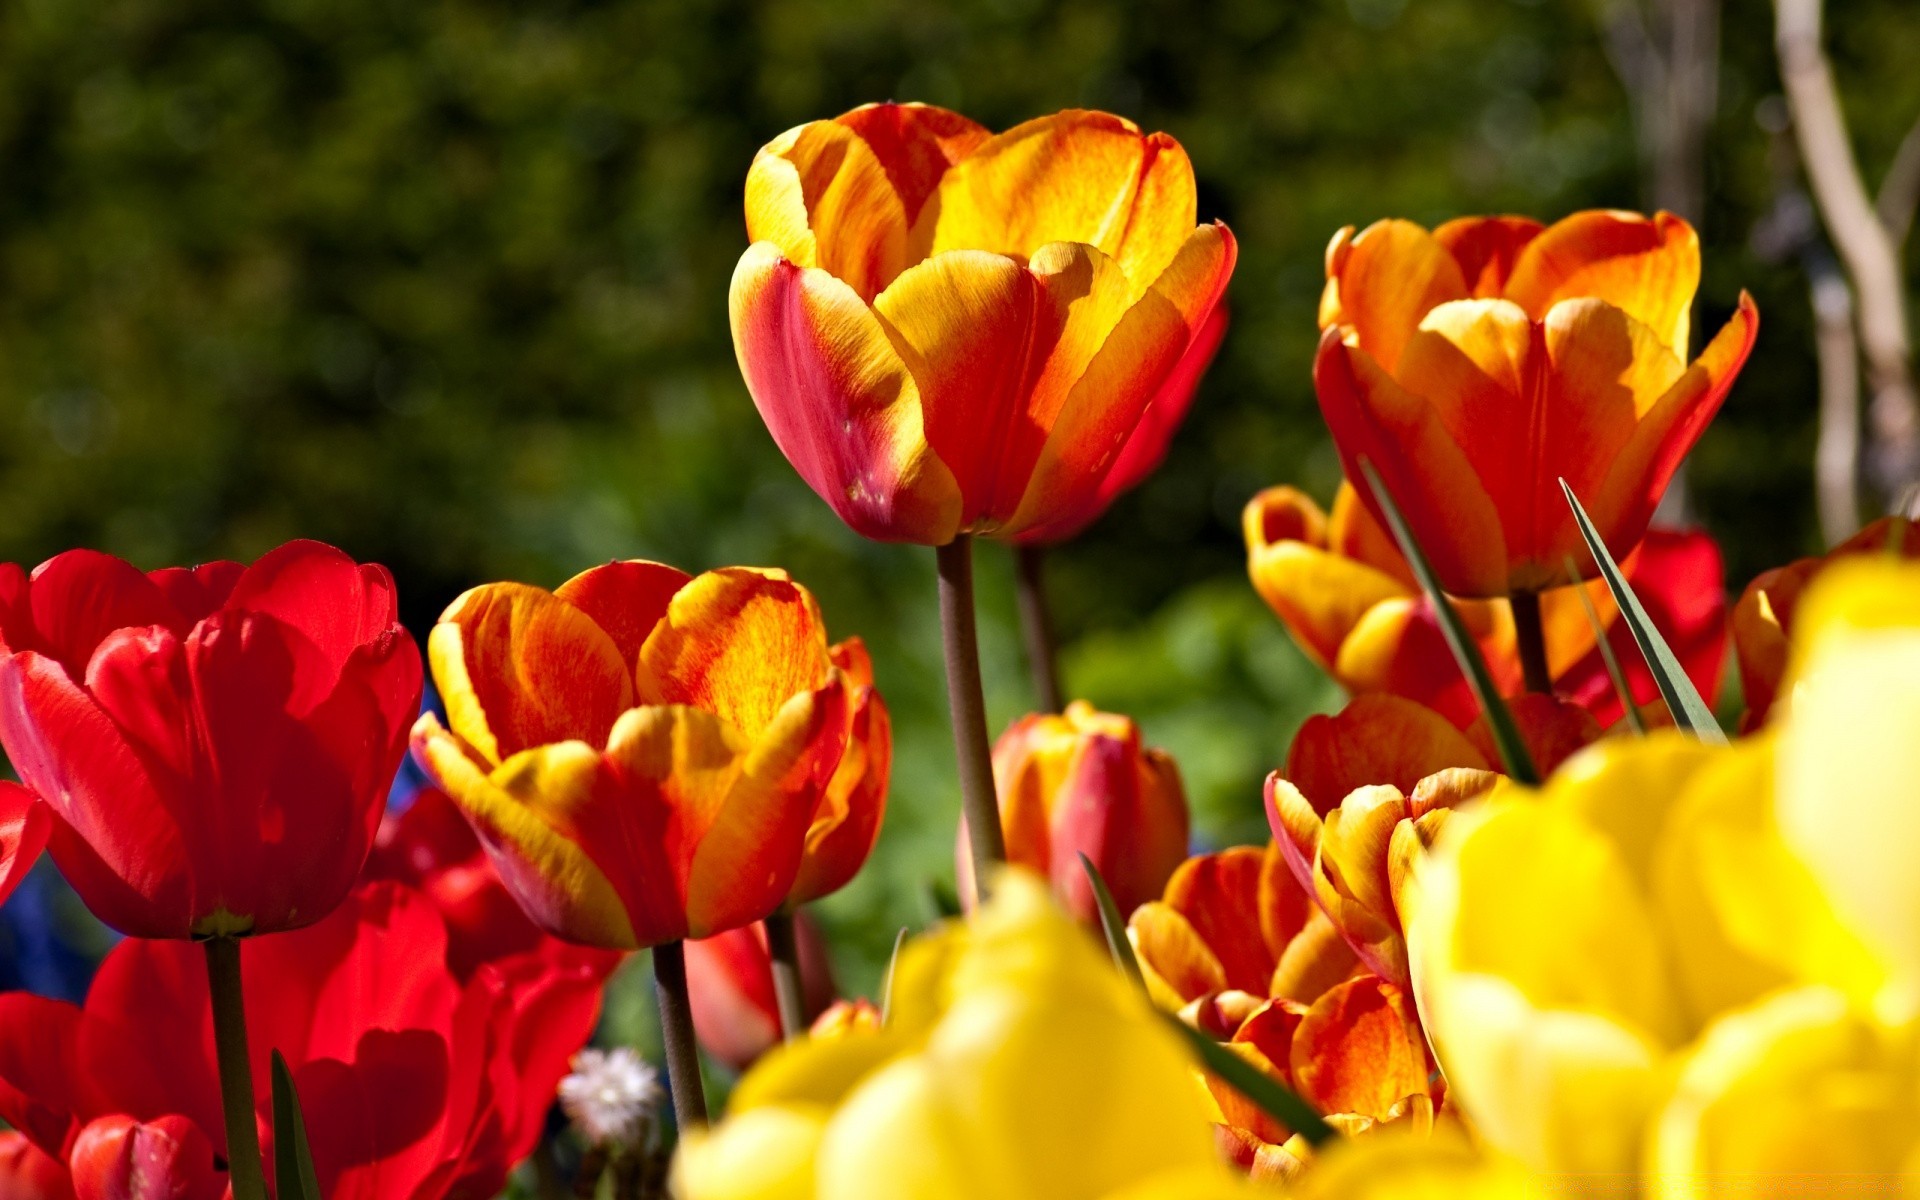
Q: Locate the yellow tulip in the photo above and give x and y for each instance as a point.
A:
(1016, 1064)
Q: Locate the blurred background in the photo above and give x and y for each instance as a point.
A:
(445, 284)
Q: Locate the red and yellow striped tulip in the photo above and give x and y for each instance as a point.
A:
(1478, 364)
(953, 331)
(649, 756)
(1346, 595)
(1082, 782)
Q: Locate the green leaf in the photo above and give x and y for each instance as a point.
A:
(1605, 647)
(1273, 1098)
(893, 967)
(293, 1174)
(1112, 924)
(1466, 651)
(1689, 711)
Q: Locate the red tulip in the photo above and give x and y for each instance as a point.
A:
(119, 1158)
(215, 744)
(415, 1086)
(730, 981)
(24, 825)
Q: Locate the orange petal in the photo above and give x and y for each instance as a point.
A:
(1552, 728)
(1173, 954)
(1377, 739)
(1265, 1040)
(1647, 267)
(739, 643)
(1075, 176)
(1429, 475)
(1359, 1050)
(518, 667)
(1319, 595)
(1317, 958)
(1387, 279)
(1639, 474)
(1225, 896)
(847, 822)
(1397, 647)
(819, 194)
(838, 400)
(524, 818)
(1353, 531)
(626, 599)
(916, 144)
(1487, 249)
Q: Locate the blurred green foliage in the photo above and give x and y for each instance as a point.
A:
(444, 283)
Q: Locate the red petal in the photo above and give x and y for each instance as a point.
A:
(80, 597)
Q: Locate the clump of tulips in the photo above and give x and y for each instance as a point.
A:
(1526, 911)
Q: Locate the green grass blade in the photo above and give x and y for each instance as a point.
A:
(1112, 924)
(293, 1174)
(1605, 647)
(1689, 711)
(893, 967)
(1466, 651)
(1273, 1098)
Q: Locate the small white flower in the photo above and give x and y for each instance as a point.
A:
(613, 1096)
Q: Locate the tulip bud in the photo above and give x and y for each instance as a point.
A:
(168, 1158)
(730, 980)
(1081, 783)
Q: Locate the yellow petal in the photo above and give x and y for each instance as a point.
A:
(764, 1154)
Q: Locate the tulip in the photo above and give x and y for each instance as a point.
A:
(1477, 365)
(736, 1014)
(1570, 947)
(1232, 930)
(1763, 617)
(215, 744)
(24, 825)
(1010, 1040)
(1848, 760)
(951, 331)
(649, 757)
(1079, 783)
(30, 1173)
(1343, 591)
(1401, 1162)
(414, 1085)
(119, 1158)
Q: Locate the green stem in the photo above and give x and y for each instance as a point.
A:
(1532, 638)
(1036, 625)
(968, 705)
(676, 1030)
(783, 948)
(244, 1170)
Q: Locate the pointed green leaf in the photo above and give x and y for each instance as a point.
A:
(1689, 711)
(1112, 924)
(1466, 651)
(1272, 1097)
(1605, 647)
(893, 966)
(293, 1174)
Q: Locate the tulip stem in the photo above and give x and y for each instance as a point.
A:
(1036, 625)
(244, 1170)
(968, 704)
(676, 1030)
(783, 949)
(1532, 639)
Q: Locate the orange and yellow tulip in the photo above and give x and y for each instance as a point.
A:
(1233, 930)
(1477, 365)
(952, 331)
(1082, 782)
(1344, 592)
(649, 756)
(1763, 617)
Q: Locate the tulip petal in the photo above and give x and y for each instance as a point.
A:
(838, 400)
(1320, 596)
(41, 1086)
(198, 591)
(336, 603)
(1231, 898)
(518, 668)
(1173, 955)
(1432, 480)
(1075, 176)
(846, 824)
(24, 825)
(1359, 1050)
(916, 145)
(527, 835)
(1487, 248)
(1648, 267)
(1376, 739)
(739, 643)
(1385, 280)
(76, 599)
(625, 599)
(819, 193)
